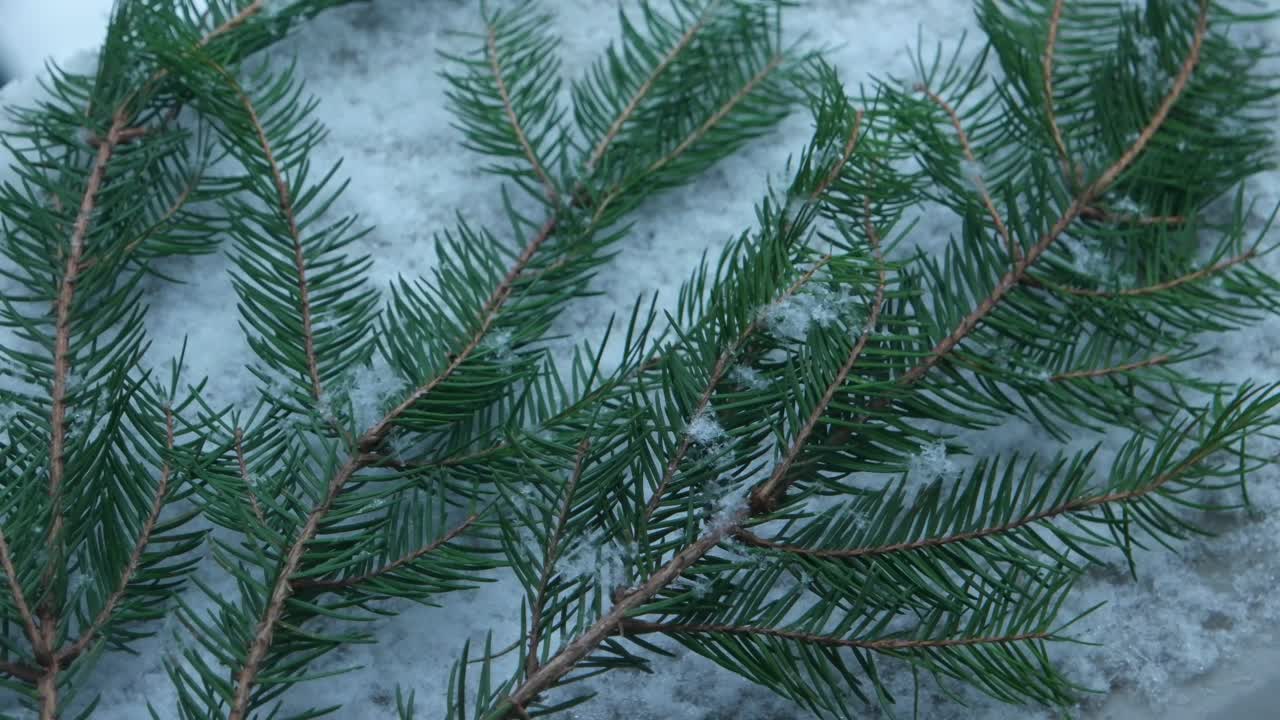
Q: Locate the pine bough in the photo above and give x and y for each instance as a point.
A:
(735, 481)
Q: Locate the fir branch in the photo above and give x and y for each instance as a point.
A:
(549, 560)
(974, 170)
(285, 204)
(1161, 287)
(714, 378)
(1050, 45)
(503, 301)
(304, 584)
(766, 497)
(495, 65)
(741, 94)
(88, 635)
(1081, 201)
(640, 627)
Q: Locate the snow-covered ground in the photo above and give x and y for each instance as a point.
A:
(1190, 639)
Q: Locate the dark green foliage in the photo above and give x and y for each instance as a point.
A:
(738, 477)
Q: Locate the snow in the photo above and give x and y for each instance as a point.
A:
(33, 32)
(929, 465)
(703, 428)
(1175, 643)
(748, 377)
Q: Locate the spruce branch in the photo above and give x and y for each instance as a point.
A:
(1135, 481)
(107, 559)
(439, 341)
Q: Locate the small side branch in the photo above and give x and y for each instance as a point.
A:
(640, 627)
(77, 648)
(495, 66)
(1046, 66)
(244, 478)
(1077, 505)
(308, 584)
(549, 559)
(766, 497)
(1014, 250)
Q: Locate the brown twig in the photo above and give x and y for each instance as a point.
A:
(1014, 250)
(640, 627)
(549, 559)
(1077, 505)
(19, 601)
(74, 650)
(47, 612)
(1100, 372)
(845, 154)
(1046, 67)
(495, 66)
(309, 584)
(244, 478)
(285, 201)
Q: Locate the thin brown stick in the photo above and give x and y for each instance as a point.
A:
(845, 154)
(19, 597)
(766, 497)
(309, 584)
(640, 627)
(285, 201)
(1046, 67)
(1158, 287)
(280, 594)
(239, 19)
(549, 559)
(1014, 250)
(645, 87)
(75, 649)
(48, 608)
(495, 66)
(1118, 369)
(1077, 505)
(244, 477)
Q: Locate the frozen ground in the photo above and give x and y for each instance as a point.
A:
(1191, 639)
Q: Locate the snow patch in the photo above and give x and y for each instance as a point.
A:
(749, 377)
(704, 429)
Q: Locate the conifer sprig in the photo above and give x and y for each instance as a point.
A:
(722, 484)
(92, 547)
(977, 607)
(325, 484)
